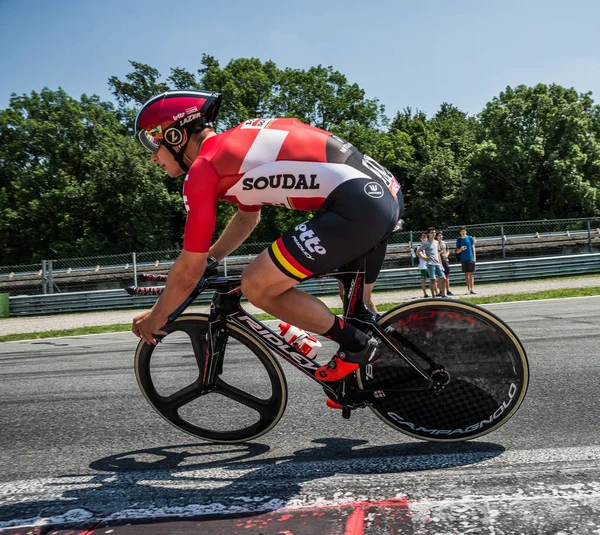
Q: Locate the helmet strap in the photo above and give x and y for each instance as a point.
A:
(179, 156)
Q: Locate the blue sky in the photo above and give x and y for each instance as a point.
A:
(416, 53)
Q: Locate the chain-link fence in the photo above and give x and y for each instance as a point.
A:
(498, 241)
(494, 241)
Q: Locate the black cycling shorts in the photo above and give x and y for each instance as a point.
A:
(374, 262)
(358, 215)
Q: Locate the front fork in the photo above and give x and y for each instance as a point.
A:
(216, 342)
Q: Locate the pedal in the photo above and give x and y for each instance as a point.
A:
(346, 413)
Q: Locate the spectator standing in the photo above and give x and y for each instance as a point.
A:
(465, 248)
(423, 273)
(431, 253)
(444, 255)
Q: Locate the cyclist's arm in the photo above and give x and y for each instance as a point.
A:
(199, 197)
(240, 226)
(183, 277)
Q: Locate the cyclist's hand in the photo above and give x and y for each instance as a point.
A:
(146, 325)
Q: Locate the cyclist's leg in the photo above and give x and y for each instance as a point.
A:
(323, 243)
(268, 288)
(373, 265)
(352, 224)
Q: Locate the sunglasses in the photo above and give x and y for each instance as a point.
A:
(151, 139)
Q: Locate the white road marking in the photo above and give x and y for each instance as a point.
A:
(423, 471)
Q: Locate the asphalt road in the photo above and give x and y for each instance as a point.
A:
(80, 444)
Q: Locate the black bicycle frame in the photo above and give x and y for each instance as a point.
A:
(225, 308)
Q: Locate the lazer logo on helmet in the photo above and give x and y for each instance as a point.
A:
(190, 118)
(281, 181)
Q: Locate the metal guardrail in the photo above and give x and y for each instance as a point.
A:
(495, 241)
(392, 279)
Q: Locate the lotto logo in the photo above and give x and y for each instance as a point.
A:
(309, 240)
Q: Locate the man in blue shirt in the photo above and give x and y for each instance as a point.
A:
(465, 249)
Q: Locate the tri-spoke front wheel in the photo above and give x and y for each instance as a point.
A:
(247, 398)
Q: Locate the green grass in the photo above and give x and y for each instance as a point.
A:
(535, 296)
(117, 327)
(504, 298)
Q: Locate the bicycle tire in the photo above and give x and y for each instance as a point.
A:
(195, 326)
(486, 362)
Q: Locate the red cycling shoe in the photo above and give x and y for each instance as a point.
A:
(333, 405)
(345, 362)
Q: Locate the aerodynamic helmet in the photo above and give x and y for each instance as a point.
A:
(165, 118)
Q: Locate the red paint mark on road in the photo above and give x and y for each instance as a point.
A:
(91, 530)
(356, 523)
(384, 517)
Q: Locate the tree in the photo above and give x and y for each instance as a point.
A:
(141, 85)
(439, 171)
(538, 155)
(323, 97)
(73, 182)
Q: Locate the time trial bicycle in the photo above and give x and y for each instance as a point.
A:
(448, 370)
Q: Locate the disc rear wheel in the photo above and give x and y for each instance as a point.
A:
(477, 363)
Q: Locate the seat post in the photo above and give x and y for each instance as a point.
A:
(352, 277)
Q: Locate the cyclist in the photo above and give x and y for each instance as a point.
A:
(279, 162)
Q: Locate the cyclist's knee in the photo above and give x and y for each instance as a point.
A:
(257, 288)
(251, 286)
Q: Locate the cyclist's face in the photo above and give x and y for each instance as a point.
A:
(165, 160)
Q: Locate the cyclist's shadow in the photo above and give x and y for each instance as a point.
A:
(189, 480)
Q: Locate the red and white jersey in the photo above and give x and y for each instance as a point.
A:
(281, 162)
